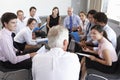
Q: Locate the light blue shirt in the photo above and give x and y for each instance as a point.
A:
(75, 19)
(88, 29)
(111, 35)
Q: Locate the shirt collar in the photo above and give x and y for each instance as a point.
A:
(57, 51)
(72, 15)
(29, 29)
(105, 26)
(19, 20)
(8, 32)
(31, 17)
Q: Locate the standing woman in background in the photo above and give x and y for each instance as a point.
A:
(53, 19)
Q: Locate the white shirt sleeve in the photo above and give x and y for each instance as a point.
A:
(9, 53)
(38, 20)
(28, 39)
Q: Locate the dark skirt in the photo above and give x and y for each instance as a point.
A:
(19, 46)
(100, 67)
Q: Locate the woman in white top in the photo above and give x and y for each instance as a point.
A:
(25, 35)
(84, 21)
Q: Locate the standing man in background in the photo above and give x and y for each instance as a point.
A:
(32, 12)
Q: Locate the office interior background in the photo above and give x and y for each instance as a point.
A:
(44, 8)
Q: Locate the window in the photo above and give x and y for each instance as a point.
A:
(113, 9)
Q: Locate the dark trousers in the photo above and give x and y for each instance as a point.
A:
(20, 46)
(41, 34)
(26, 64)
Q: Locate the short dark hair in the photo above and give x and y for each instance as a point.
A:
(101, 17)
(92, 12)
(19, 11)
(30, 21)
(32, 8)
(6, 17)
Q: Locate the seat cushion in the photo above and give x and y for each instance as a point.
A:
(115, 76)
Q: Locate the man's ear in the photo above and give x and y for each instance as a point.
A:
(102, 33)
(5, 23)
(65, 44)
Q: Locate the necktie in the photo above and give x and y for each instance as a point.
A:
(13, 35)
(71, 24)
(14, 44)
(88, 28)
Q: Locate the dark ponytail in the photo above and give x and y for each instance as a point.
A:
(105, 35)
(100, 29)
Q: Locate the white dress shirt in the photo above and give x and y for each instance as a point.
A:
(7, 50)
(20, 25)
(25, 35)
(111, 35)
(56, 64)
(84, 25)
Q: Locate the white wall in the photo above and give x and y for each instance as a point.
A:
(44, 7)
(79, 5)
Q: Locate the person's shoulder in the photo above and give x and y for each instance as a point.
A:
(86, 20)
(37, 57)
(109, 29)
(66, 17)
(75, 15)
(70, 54)
(37, 17)
(0, 34)
(72, 58)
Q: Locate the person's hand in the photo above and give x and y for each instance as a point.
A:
(79, 29)
(33, 36)
(49, 28)
(82, 43)
(33, 54)
(92, 58)
(74, 28)
(85, 49)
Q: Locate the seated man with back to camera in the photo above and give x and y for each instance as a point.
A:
(56, 63)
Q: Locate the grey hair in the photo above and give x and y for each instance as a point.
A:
(70, 8)
(56, 36)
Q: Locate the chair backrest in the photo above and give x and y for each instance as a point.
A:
(95, 77)
(118, 53)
